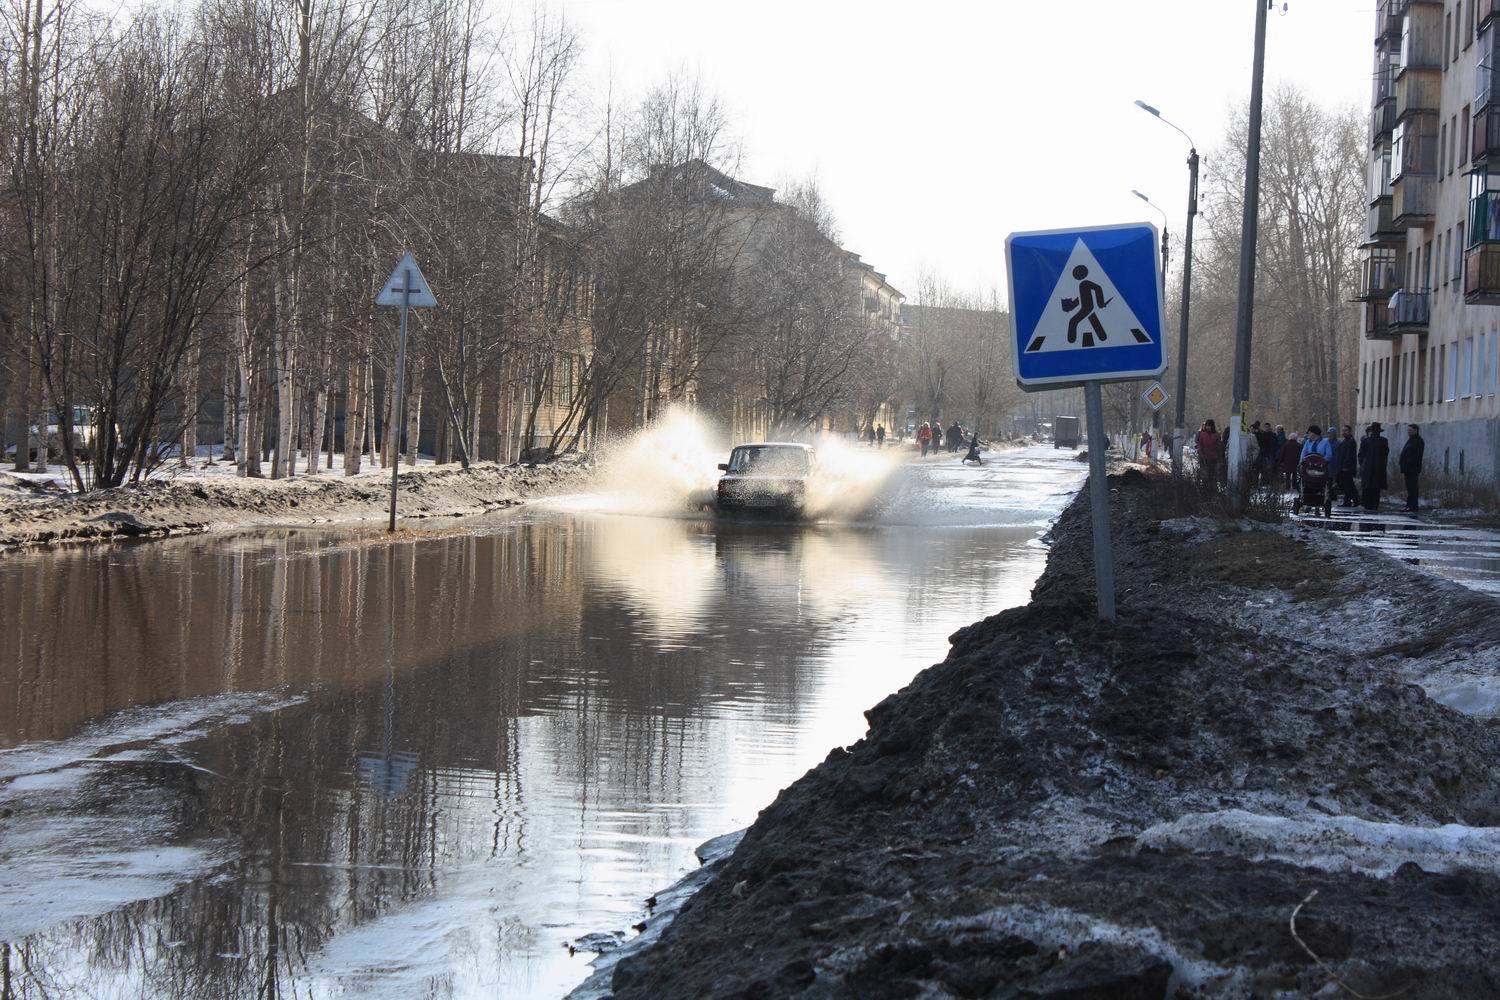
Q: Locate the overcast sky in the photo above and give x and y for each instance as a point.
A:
(936, 127)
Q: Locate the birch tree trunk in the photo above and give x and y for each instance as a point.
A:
(354, 416)
(413, 422)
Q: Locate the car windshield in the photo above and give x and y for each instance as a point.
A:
(769, 461)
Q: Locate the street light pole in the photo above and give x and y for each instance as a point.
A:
(1166, 257)
(1166, 236)
(1248, 234)
(1179, 429)
(1179, 432)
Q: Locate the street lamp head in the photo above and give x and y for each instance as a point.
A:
(1140, 196)
(1147, 108)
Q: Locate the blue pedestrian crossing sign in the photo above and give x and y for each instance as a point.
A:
(1086, 305)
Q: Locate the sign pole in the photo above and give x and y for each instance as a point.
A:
(1104, 560)
(399, 410)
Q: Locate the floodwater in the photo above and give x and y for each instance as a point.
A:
(313, 763)
(1466, 555)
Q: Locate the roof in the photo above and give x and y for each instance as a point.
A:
(775, 444)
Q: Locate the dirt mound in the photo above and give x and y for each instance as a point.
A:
(179, 506)
(1063, 809)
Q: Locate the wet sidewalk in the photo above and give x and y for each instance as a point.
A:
(1466, 555)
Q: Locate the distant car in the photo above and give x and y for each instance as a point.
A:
(768, 476)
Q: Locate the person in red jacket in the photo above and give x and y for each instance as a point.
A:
(924, 437)
(1210, 452)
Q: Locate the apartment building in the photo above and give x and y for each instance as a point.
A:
(1430, 350)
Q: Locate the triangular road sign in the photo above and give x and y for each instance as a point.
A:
(1085, 310)
(394, 293)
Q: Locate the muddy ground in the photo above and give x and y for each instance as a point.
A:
(1237, 791)
(180, 506)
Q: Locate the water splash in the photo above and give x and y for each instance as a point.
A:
(672, 466)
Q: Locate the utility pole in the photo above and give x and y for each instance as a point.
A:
(1179, 429)
(1179, 432)
(1248, 234)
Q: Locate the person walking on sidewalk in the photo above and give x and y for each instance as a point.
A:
(1411, 464)
(1210, 454)
(1374, 456)
(924, 437)
(880, 435)
(1345, 465)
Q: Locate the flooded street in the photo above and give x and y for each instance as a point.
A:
(1466, 555)
(314, 763)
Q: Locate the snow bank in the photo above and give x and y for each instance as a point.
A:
(1330, 843)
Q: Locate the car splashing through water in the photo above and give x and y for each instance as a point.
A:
(673, 466)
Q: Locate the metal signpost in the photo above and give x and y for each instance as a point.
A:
(1087, 309)
(408, 289)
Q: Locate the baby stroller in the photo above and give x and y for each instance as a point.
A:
(1315, 492)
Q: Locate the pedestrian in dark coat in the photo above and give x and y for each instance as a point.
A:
(1411, 464)
(973, 453)
(1374, 456)
(1346, 466)
(1286, 461)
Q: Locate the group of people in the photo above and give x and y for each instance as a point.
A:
(1276, 458)
(876, 435)
(932, 437)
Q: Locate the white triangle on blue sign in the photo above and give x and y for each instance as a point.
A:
(1085, 311)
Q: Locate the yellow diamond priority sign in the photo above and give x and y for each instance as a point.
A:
(1155, 397)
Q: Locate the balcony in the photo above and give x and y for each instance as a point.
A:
(1388, 17)
(1377, 320)
(1409, 312)
(1486, 134)
(1422, 39)
(1413, 198)
(1485, 80)
(1380, 275)
(1482, 274)
(1486, 10)
(1417, 93)
(1382, 120)
(1380, 226)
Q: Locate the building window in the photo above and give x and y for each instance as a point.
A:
(1481, 355)
(1447, 38)
(1469, 25)
(1466, 376)
(1458, 254)
(1450, 391)
(1421, 377)
(1442, 151)
(1453, 148)
(1463, 143)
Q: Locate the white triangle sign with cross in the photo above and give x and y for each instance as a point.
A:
(393, 294)
(1085, 311)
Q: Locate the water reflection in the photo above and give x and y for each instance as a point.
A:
(502, 740)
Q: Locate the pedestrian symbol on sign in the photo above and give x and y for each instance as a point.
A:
(1084, 309)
